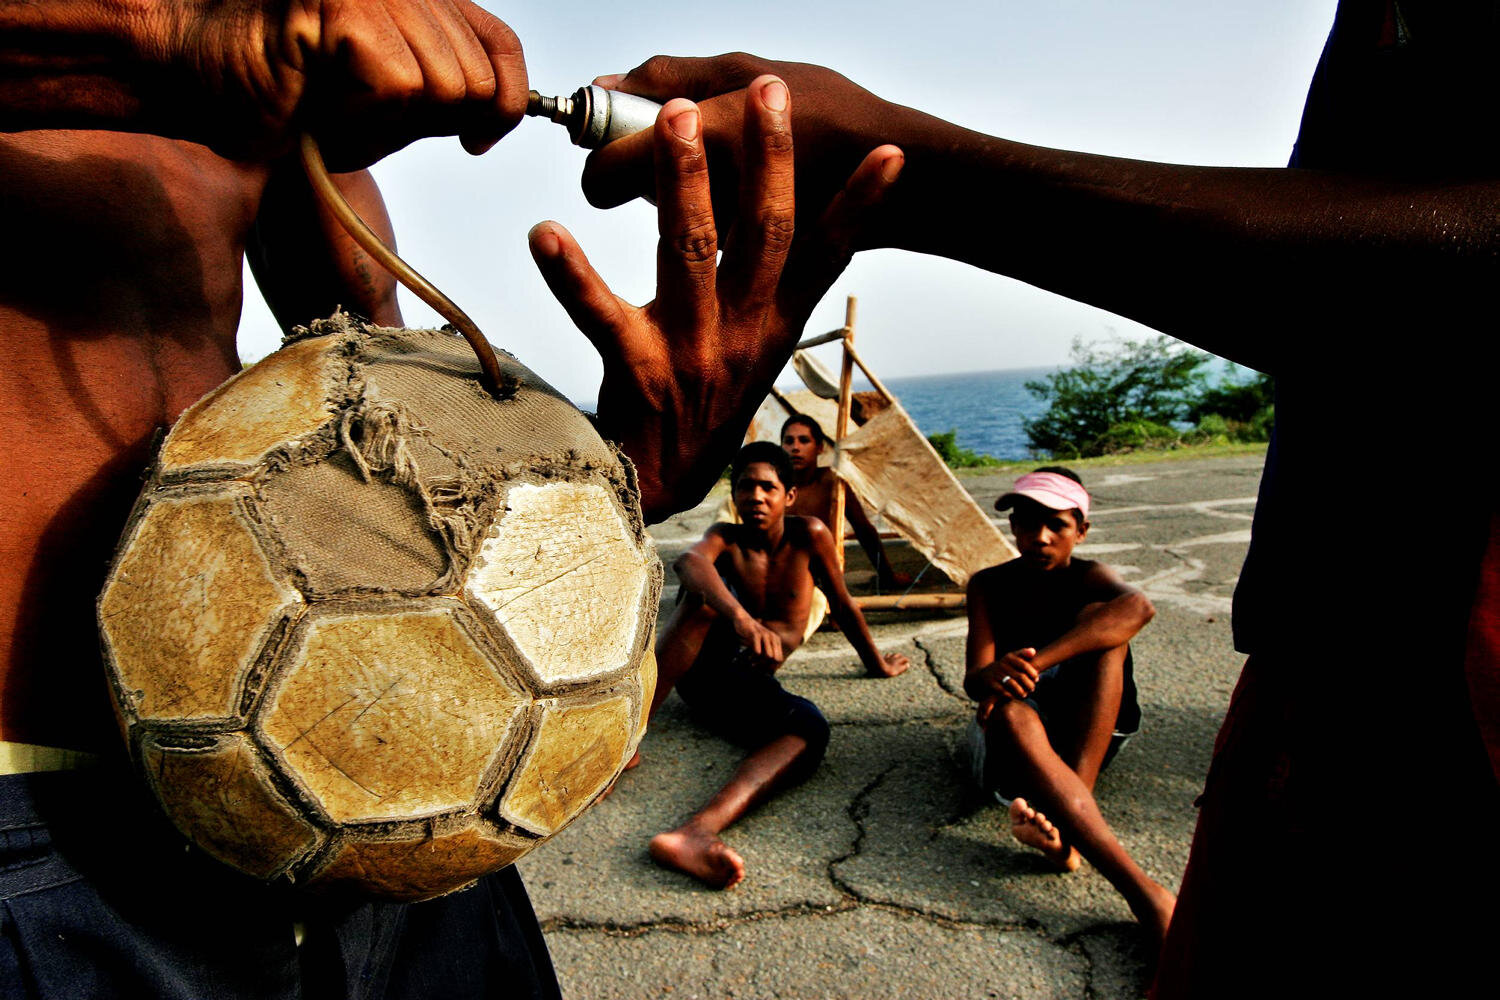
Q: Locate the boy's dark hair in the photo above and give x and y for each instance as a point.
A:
(805, 421)
(762, 451)
(1061, 471)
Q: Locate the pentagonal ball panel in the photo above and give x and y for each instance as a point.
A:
(577, 752)
(222, 797)
(188, 606)
(420, 867)
(564, 578)
(282, 398)
(388, 716)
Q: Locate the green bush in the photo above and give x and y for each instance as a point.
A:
(1237, 402)
(945, 443)
(1112, 392)
(1135, 435)
(1126, 395)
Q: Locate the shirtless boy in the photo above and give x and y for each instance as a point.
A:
(1049, 663)
(746, 589)
(803, 440)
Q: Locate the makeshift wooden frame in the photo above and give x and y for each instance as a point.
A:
(850, 359)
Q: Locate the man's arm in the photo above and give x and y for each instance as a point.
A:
(697, 570)
(1164, 244)
(851, 620)
(986, 677)
(869, 537)
(1117, 612)
(305, 262)
(241, 76)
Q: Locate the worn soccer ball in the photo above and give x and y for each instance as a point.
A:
(372, 628)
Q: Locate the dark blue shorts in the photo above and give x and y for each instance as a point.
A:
(101, 897)
(744, 703)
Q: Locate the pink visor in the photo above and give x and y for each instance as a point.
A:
(1048, 489)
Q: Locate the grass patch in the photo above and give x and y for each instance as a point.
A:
(1180, 453)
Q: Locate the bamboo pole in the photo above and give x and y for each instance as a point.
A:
(909, 602)
(846, 385)
(786, 404)
(879, 386)
(822, 338)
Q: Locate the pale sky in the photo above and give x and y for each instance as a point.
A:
(1217, 83)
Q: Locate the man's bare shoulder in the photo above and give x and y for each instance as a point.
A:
(725, 533)
(995, 579)
(805, 531)
(1100, 577)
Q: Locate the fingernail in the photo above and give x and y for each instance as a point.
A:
(774, 95)
(544, 241)
(609, 82)
(891, 168)
(685, 124)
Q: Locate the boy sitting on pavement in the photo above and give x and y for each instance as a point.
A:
(1048, 660)
(803, 440)
(742, 610)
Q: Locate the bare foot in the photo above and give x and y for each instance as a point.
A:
(632, 763)
(697, 852)
(1034, 829)
(891, 665)
(1155, 913)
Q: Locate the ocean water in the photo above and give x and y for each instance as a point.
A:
(985, 408)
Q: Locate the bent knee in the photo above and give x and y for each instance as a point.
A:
(693, 607)
(807, 722)
(1011, 719)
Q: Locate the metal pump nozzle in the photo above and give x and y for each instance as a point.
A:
(594, 116)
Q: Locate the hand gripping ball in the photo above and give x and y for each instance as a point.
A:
(371, 627)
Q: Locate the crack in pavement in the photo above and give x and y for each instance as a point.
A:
(718, 925)
(930, 660)
(858, 809)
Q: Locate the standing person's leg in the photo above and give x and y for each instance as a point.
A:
(1016, 735)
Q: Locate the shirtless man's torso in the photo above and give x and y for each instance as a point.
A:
(119, 309)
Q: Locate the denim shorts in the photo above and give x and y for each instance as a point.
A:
(101, 897)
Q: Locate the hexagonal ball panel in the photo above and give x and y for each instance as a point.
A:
(222, 798)
(187, 608)
(565, 579)
(388, 716)
(283, 397)
(577, 752)
(648, 691)
(420, 867)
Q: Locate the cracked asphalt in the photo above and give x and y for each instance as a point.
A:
(885, 874)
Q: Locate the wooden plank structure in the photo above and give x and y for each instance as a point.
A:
(851, 359)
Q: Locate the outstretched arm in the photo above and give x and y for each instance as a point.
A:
(1164, 244)
(241, 76)
(850, 619)
(305, 262)
(684, 373)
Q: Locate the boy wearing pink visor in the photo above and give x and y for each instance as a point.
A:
(1048, 658)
